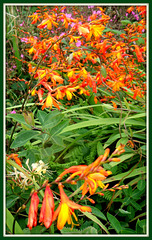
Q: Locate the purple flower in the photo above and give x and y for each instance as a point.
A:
(91, 6)
(78, 43)
(98, 12)
(126, 14)
(72, 24)
(14, 66)
(114, 17)
(62, 34)
(133, 13)
(137, 17)
(13, 112)
(24, 40)
(68, 15)
(22, 56)
(22, 24)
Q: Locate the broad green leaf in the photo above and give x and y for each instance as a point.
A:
(114, 223)
(19, 118)
(23, 137)
(96, 220)
(57, 129)
(57, 140)
(125, 175)
(52, 119)
(9, 223)
(41, 116)
(98, 213)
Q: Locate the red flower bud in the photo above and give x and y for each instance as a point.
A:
(32, 217)
(47, 209)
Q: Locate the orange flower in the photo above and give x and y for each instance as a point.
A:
(32, 217)
(92, 181)
(73, 169)
(138, 54)
(66, 209)
(40, 95)
(15, 157)
(47, 208)
(130, 9)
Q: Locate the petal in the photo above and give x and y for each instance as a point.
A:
(63, 216)
(97, 176)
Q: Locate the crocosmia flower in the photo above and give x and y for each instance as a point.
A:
(32, 217)
(65, 210)
(47, 209)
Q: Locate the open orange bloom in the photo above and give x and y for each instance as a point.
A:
(66, 209)
(47, 208)
(32, 217)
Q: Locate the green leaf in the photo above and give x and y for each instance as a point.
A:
(114, 223)
(125, 175)
(52, 119)
(57, 140)
(102, 121)
(128, 231)
(113, 138)
(41, 116)
(140, 41)
(70, 231)
(96, 220)
(98, 213)
(89, 230)
(11, 200)
(136, 205)
(23, 137)
(141, 184)
(124, 211)
(100, 149)
(125, 22)
(9, 223)
(57, 129)
(122, 159)
(19, 118)
(103, 72)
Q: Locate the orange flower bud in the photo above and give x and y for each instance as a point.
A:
(114, 160)
(32, 217)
